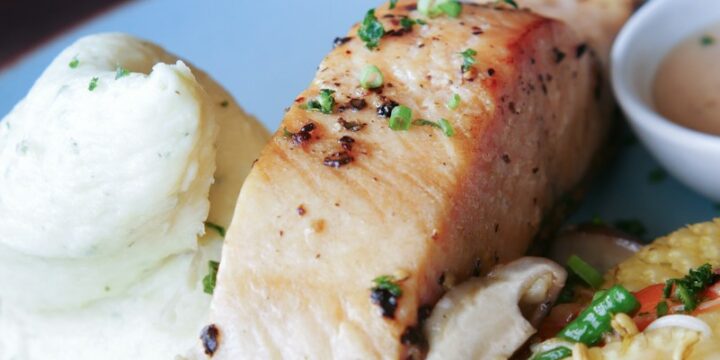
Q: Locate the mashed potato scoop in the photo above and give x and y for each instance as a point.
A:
(109, 169)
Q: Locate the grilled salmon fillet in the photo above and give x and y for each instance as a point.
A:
(337, 200)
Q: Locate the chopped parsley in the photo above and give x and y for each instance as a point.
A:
(93, 84)
(509, 2)
(210, 279)
(216, 227)
(371, 30)
(661, 309)
(442, 124)
(400, 118)
(657, 175)
(324, 103)
(393, 3)
(707, 40)
(451, 8)
(387, 282)
(688, 289)
(74, 63)
(454, 102)
(468, 59)
(121, 72)
(632, 226)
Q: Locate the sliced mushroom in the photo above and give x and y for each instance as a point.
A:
(601, 246)
(491, 317)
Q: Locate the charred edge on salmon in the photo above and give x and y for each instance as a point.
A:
(339, 41)
(358, 104)
(385, 299)
(353, 126)
(338, 159)
(346, 142)
(559, 55)
(303, 135)
(386, 108)
(209, 338)
(580, 50)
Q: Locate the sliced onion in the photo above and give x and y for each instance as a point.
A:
(681, 321)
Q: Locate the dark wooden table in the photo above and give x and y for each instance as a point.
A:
(25, 24)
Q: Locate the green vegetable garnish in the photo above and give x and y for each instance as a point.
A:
(121, 72)
(632, 226)
(216, 227)
(400, 118)
(509, 2)
(707, 40)
(585, 271)
(589, 327)
(371, 30)
(443, 125)
(371, 77)
(387, 282)
(554, 354)
(74, 63)
(661, 309)
(468, 59)
(446, 127)
(324, 103)
(434, 8)
(93, 84)
(210, 279)
(689, 288)
(451, 8)
(454, 102)
(393, 3)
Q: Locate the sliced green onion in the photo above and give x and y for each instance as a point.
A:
(585, 271)
(393, 3)
(93, 84)
(554, 354)
(74, 63)
(451, 8)
(446, 127)
(468, 59)
(371, 77)
(423, 122)
(454, 102)
(324, 102)
(220, 230)
(210, 279)
(400, 118)
(121, 72)
(661, 309)
(428, 8)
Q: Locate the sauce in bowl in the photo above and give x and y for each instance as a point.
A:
(687, 84)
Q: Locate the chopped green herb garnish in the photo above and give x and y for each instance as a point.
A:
(216, 227)
(74, 63)
(393, 3)
(121, 72)
(509, 2)
(433, 8)
(324, 103)
(707, 40)
(387, 282)
(454, 102)
(400, 118)
(689, 288)
(93, 84)
(443, 125)
(210, 279)
(224, 103)
(657, 175)
(661, 309)
(468, 59)
(632, 226)
(371, 30)
(451, 8)
(585, 271)
(371, 77)
(446, 127)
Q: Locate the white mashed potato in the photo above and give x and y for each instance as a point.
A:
(103, 196)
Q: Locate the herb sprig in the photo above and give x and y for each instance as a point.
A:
(688, 288)
(371, 30)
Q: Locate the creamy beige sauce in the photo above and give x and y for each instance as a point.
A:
(687, 84)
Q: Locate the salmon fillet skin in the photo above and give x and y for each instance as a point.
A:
(337, 200)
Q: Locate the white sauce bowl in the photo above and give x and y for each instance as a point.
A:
(692, 157)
